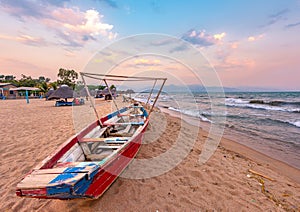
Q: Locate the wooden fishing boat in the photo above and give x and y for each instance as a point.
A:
(90, 161)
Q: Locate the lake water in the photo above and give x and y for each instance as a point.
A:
(268, 122)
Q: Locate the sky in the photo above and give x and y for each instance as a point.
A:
(247, 43)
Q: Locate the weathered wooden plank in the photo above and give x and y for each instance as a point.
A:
(98, 157)
(36, 181)
(45, 180)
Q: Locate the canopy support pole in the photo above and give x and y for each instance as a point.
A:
(113, 99)
(151, 92)
(91, 100)
(161, 87)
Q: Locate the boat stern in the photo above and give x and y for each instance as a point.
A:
(58, 183)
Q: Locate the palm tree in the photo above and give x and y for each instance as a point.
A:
(43, 87)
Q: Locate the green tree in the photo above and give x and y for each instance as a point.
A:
(42, 79)
(27, 81)
(67, 77)
(112, 87)
(9, 78)
(101, 87)
(92, 87)
(53, 85)
(47, 80)
(43, 87)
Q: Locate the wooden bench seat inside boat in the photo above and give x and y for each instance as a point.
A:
(98, 157)
(125, 123)
(106, 140)
(97, 132)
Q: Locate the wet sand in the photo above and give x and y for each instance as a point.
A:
(29, 132)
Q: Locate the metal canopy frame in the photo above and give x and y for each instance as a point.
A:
(109, 77)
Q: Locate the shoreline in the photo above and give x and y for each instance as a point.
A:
(276, 165)
(243, 149)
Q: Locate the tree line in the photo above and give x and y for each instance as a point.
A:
(65, 77)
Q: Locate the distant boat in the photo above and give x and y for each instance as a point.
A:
(88, 163)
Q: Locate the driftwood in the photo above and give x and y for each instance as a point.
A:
(259, 174)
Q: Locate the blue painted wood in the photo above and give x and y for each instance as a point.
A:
(144, 112)
(58, 190)
(82, 186)
(74, 169)
(63, 177)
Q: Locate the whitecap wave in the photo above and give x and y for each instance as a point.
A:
(190, 113)
(296, 123)
(232, 102)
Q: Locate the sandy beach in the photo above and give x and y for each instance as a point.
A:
(29, 132)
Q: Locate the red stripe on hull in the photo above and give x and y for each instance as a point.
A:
(109, 173)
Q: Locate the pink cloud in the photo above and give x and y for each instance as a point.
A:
(25, 39)
(67, 15)
(73, 26)
(201, 38)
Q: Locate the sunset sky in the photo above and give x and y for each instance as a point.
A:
(249, 43)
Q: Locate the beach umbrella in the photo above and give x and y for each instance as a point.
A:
(83, 92)
(63, 92)
(49, 93)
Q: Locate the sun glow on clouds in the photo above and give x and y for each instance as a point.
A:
(73, 26)
(90, 24)
(76, 27)
(255, 38)
(220, 36)
(147, 62)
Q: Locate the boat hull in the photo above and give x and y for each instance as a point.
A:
(90, 184)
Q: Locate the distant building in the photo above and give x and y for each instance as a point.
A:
(19, 93)
(5, 90)
(10, 91)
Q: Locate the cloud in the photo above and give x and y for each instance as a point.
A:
(255, 38)
(90, 24)
(179, 48)
(234, 45)
(22, 8)
(25, 39)
(219, 36)
(201, 38)
(146, 62)
(73, 26)
(276, 17)
(233, 63)
(280, 13)
(292, 25)
(55, 2)
(110, 3)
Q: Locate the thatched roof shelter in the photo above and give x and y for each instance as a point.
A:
(49, 93)
(63, 92)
